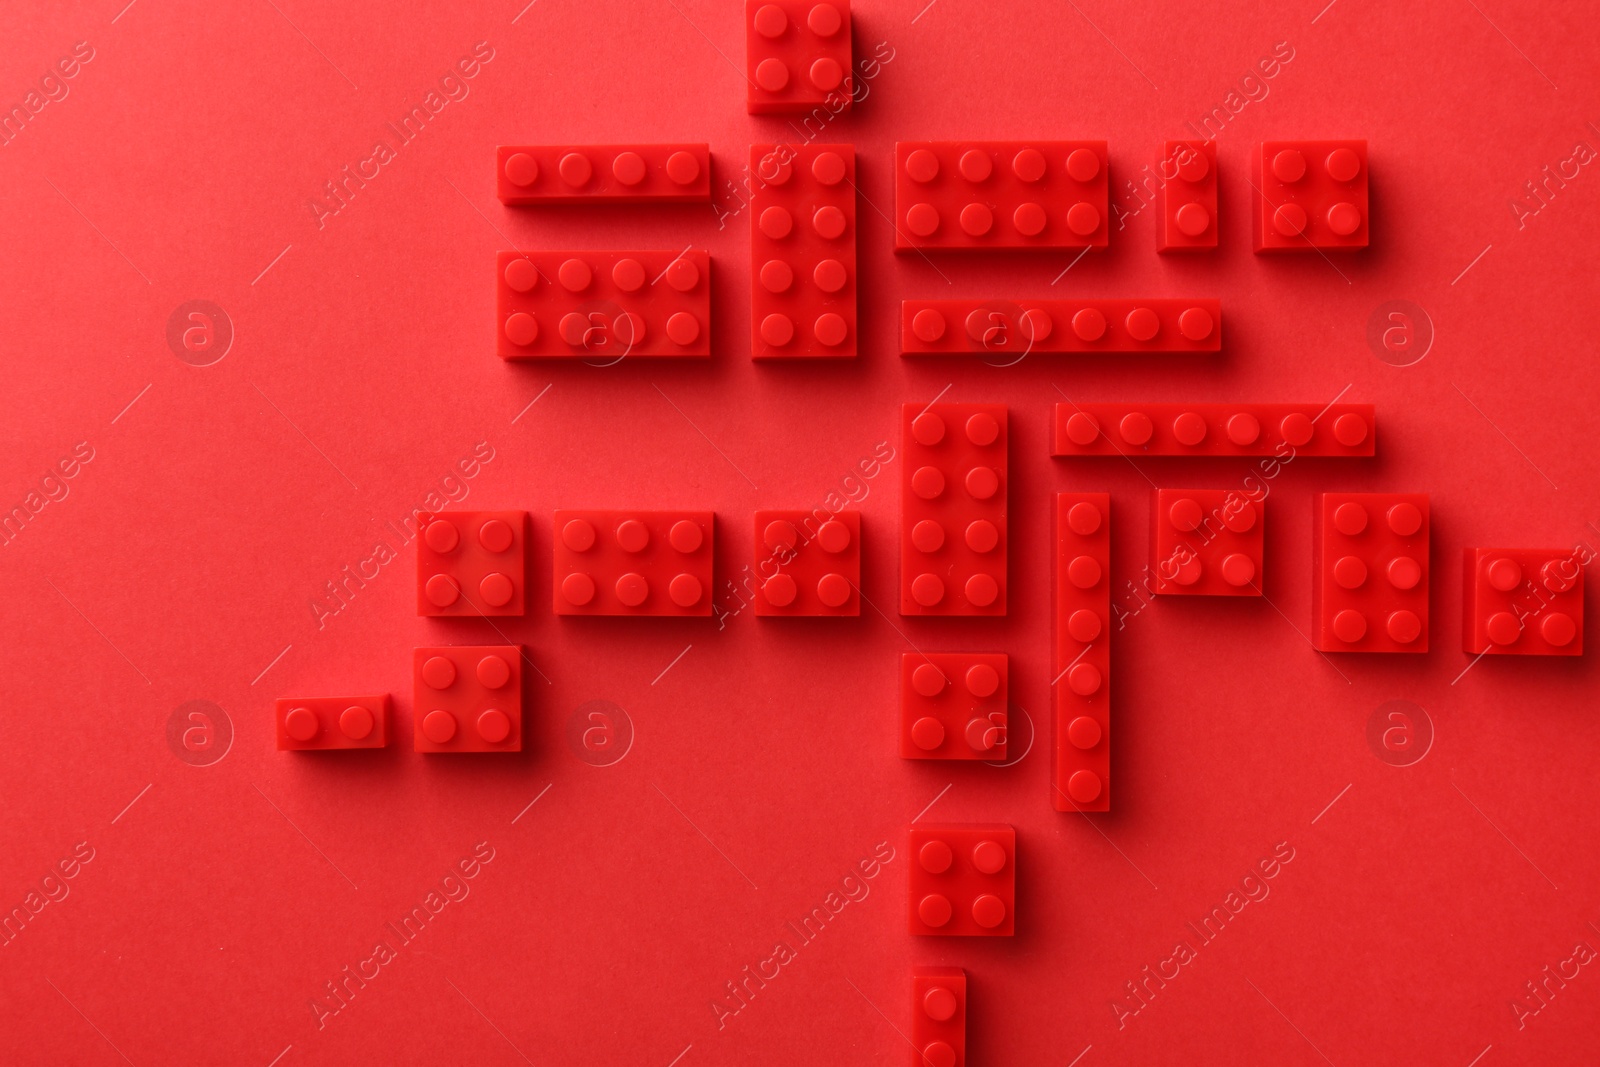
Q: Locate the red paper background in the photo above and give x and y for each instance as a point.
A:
(184, 558)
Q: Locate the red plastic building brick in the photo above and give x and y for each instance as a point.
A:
(798, 56)
(938, 1017)
(1082, 624)
(1369, 592)
(1522, 602)
(953, 705)
(1188, 220)
(802, 251)
(953, 195)
(332, 723)
(809, 562)
(953, 510)
(963, 880)
(468, 699)
(604, 174)
(965, 327)
(632, 563)
(1310, 195)
(603, 306)
(1206, 542)
(1283, 430)
(472, 562)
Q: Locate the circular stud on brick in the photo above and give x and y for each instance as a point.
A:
(1142, 324)
(1083, 165)
(301, 724)
(1185, 513)
(1403, 627)
(1296, 429)
(981, 536)
(1029, 219)
(928, 483)
(833, 537)
(770, 21)
(939, 1004)
(496, 590)
(1089, 324)
(493, 671)
(521, 329)
(780, 590)
(977, 219)
(982, 590)
(1289, 166)
(776, 223)
(493, 725)
(975, 165)
(927, 536)
(1083, 626)
(1084, 679)
(628, 168)
(683, 329)
(1195, 324)
(1192, 164)
(982, 680)
(1193, 220)
(777, 330)
(826, 74)
(356, 722)
(1343, 165)
(1350, 430)
(828, 168)
(1350, 518)
(1238, 570)
(521, 169)
(922, 166)
(575, 275)
(922, 219)
(520, 274)
(628, 275)
(1504, 574)
(829, 222)
(632, 589)
(1136, 428)
(442, 590)
(682, 168)
(1349, 572)
(577, 589)
(685, 590)
(1083, 732)
(1503, 628)
(988, 910)
(830, 329)
(780, 536)
(1036, 325)
(495, 535)
(439, 726)
(1189, 428)
(1404, 572)
(928, 680)
(927, 590)
(1289, 220)
(833, 590)
(927, 733)
(1244, 429)
(1084, 787)
(1028, 165)
(1404, 519)
(1349, 626)
(1241, 518)
(982, 735)
(1558, 628)
(776, 276)
(683, 275)
(576, 170)
(983, 429)
(1083, 219)
(989, 857)
(830, 275)
(772, 75)
(928, 429)
(578, 535)
(934, 910)
(982, 483)
(1343, 218)
(441, 536)
(438, 672)
(1084, 572)
(935, 856)
(1082, 429)
(632, 535)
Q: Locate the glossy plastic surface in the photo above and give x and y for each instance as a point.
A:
(797, 56)
(953, 491)
(603, 307)
(807, 562)
(963, 879)
(938, 1030)
(953, 705)
(1081, 625)
(467, 698)
(529, 175)
(323, 724)
(996, 327)
(632, 563)
(803, 251)
(472, 563)
(1287, 431)
(1206, 542)
(1309, 196)
(1371, 572)
(1188, 221)
(1522, 601)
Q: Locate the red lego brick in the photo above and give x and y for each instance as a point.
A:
(307, 724)
(472, 562)
(802, 251)
(1188, 221)
(963, 880)
(953, 705)
(1206, 542)
(632, 563)
(965, 327)
(938, 1017)
(1082, 638)
(603, 306)
(603, 174)
(1310, 195)
(797, 56)
(1522, 602)
(964, 195)
(468, 699)
(953, 509)
(808, 562)
(1369, 591)
(1284, 430)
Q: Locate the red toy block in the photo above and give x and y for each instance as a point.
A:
(953, 705)
(966, 327)
(797, 56)
(307, 724)
(802, 251)
(603, 174)
(955, 195)
(603, 306)
(1288, 431)
(468, 699)
(1082, 624)
(472, 563)
(1522, 602)
(953, 509)
(963, 880)
(1206, 542)
(938, 1017)
(1188, 220)
(1369, 592)
(808, 562)
(1310, 195)
(632, 563)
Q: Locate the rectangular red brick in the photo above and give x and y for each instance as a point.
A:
(632, 563)
(529, 175)
(468, 698)
(797, 57)
(938, 1017)
(808, 562)
(1188, 221)
(472, 563)
(1289, 431)
(1522, 602)
(1369, 588)
(1309, 196)
(953, 509)
(1017, 328)
(963, 880)
(953, 705)
(603, 306)
(1206, 542)
(307, 724)
(1082, 637)
(803, 251)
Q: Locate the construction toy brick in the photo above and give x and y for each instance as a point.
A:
(603, 306)
(1082, 639)
(468, 699)
(954, 195)
(967, 327)
(953, 509)
(472, 562)
(802, 251)
(963, 880)
(603, 174)
(1522, 602)
(797, 55)
(808, 563)
(1288, 431)
(1188, 221)
(953, 705)
(307, 724)
(938, 1017)
(632, 563)
(1206, 542)
(1369, 589)
(1310, 196)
